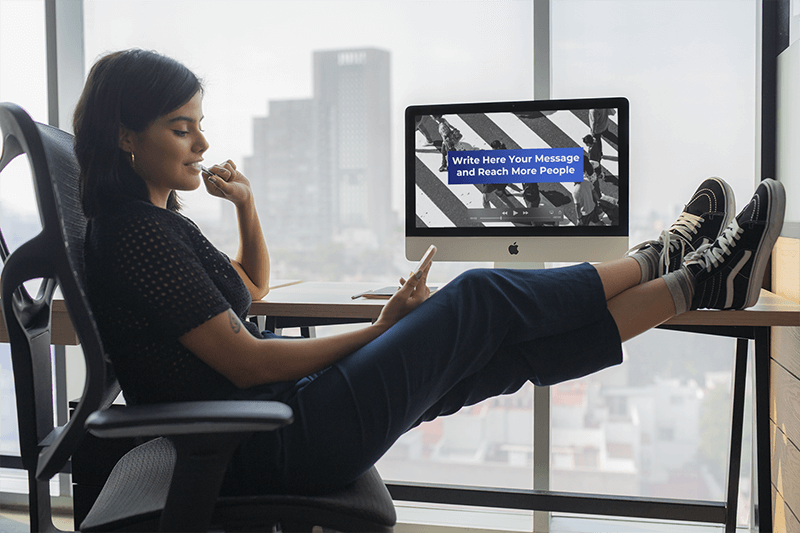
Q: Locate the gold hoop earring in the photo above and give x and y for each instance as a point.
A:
(133, 160)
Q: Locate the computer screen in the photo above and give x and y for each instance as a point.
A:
(539, 180)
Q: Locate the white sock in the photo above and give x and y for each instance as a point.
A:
(648, 259)
(681, 285)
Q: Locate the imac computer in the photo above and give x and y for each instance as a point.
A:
(532, 181)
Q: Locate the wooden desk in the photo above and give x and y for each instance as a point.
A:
(62, 333)
(333, 300)
(316, 303)
(770, 310)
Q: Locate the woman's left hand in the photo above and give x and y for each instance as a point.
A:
(228, 183)
(412, 292)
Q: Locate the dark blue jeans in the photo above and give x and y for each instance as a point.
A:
(484, 334)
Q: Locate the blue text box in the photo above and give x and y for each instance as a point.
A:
(530, 165)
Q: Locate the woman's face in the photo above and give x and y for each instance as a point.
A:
(168, 152)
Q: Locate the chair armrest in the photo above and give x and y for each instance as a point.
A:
(189, 418)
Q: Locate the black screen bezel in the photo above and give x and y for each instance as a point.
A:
(622, 119)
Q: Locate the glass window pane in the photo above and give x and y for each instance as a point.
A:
(659, 425)
(23, 81)
(23, 56)
(689, 71)
(308, 97)
(277, 91)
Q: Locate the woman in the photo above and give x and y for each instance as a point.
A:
(171, 308)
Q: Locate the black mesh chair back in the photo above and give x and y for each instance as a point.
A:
(50, 257)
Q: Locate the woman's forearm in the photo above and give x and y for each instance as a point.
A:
(224, 344)
(292, 359)
(252, 258)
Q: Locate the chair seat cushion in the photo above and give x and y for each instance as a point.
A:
(363, 505)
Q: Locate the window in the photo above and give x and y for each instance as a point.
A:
(23, 81)
(343, 74)
(689, 70)
(309, 98)
(279, 104)
(666, 434)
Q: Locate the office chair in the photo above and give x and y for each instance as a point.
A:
(171, 482)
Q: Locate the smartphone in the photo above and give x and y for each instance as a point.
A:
(424, 262)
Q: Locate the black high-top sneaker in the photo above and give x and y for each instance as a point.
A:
(730, 271)
(709, 211)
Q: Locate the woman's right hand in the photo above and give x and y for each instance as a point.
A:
(229, 183)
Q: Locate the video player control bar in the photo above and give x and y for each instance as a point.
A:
(517, 214)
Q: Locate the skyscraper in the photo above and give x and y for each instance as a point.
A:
(352, 106)
(321, 168)
(282, 172)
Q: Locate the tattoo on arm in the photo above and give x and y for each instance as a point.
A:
(236, 325)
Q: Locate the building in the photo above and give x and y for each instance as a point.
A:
(283, 175)
(322, 167)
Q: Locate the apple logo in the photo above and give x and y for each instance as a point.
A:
(513, 249)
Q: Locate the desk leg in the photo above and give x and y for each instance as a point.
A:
(541, 453)
(762, 494)
(737, 431)
(271, 323)
(62, 407)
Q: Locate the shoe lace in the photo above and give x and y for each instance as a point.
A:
(679, 234)
(686, 227)
(713, 254)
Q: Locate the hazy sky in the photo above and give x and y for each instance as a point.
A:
(688, 67)
(689, 70)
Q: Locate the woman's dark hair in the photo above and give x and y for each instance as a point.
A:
(130, 88)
